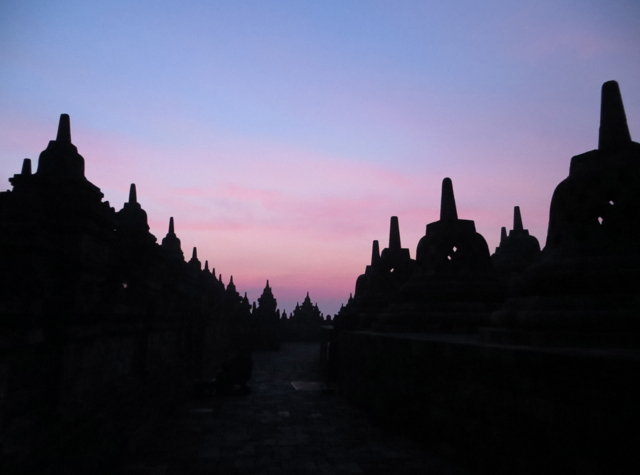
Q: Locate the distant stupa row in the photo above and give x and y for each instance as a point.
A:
(66, 256)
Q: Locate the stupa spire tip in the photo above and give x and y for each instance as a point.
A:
(448, 209)
(26, 166)
(375, 252)
(64, 129)
(394, 233)
(614, 131)
(517, 219)
(133, 196)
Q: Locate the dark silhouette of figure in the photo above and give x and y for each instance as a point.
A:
(235, 374)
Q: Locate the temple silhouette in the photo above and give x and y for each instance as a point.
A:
(97, 316)
(524, 361)
(520, 361)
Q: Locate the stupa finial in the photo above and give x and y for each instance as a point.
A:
(503, 234)
(448, 209)
(133, 196)
(614, 131)
(64, 129)
(26, 166)
(517, 219)
(171, 228)
(375, 253)
(394, 234)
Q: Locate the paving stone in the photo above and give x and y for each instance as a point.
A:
(336, 452)
(210, 453)
(280, 430)
(283, 452)
(287, 442)
(244, 463)
(247, 450)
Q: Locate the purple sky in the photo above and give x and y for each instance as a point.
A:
(282, 135)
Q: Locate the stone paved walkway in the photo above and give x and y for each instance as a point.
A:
(278, 429)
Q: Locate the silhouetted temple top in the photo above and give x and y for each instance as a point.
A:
(452, 245)
(596, 208)
(231, 294)
(362, 282)
(61, 159)
(58, 193)
(307, 312)
(517, 250)
(194, 263)
(133, 219)
(267, 303)
(59, 162)
(394, 255)
(171, 244)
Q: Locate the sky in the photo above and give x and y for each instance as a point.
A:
(283, 135)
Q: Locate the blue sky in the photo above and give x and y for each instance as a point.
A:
(282, 135)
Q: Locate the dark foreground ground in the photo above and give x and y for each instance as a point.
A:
(278, 429)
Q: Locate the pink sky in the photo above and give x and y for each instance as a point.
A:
(282, 136)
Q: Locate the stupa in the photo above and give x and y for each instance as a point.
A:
(585, 289)
(55, 235)
(382, 279)
(517, 250)
(453, 288)
(171, 244)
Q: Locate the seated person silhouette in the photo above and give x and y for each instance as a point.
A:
(235, 373)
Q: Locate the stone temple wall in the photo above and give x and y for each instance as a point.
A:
(497, 408)
(525, 363)
(102, 330)
(82, 400)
